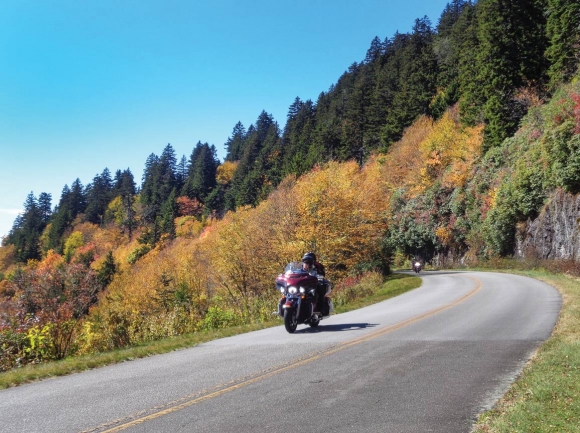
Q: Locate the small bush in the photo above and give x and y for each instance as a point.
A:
(217, 318)
(352, 288)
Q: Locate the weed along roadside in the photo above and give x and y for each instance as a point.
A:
(362, 292)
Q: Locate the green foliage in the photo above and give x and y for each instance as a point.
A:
(107, 270)
(137, 253)
(563, 30)
(73, 242)
(201, 178)
(218, 318)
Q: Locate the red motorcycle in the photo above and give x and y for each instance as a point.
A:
(300, 291)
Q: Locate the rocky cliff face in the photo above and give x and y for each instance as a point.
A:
(555, 233)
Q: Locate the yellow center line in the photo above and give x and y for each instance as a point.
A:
(285, 367)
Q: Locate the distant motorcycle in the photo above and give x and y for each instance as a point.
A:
(299, 297)
(417, 267)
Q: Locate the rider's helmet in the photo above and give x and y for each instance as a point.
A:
(309, 258)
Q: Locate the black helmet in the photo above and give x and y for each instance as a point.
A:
(309, 258)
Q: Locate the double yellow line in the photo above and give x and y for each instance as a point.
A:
(204, 395)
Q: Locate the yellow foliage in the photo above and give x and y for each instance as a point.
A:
(115, 210)
(225, 172)
(74, 241)
(188, 226)
(45, 237)
(443, 235)
(342, 212)
(448, 152)
(401, 166)
(7, 257)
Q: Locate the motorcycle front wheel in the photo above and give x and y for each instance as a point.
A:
(290, 321)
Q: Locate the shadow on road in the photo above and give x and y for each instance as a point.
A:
(335, 328)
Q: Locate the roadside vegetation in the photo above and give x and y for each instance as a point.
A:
(351, 294)
(546, 396)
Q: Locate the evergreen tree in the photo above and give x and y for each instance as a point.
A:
(26, 231)
(201, 179)
(182, 171)
(168, 215)
(447, 45)
(167, 173)
(512, 42)
(235, 144)
(76, 200)
(417, 82)
(99, 194)
(297, 138)
(107, 271)
(125, 189)
(563, 30)
(259, 167)
(150, 180)
(471, 98)
(44, 205)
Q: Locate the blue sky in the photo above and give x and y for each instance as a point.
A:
(86, 85)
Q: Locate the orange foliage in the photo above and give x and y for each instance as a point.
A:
(188, 207)
(51, 261)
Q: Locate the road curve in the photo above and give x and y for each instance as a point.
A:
(429, 360)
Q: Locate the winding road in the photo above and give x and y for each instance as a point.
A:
(429, 360)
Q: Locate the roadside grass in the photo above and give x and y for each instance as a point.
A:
(546, 396)
(394, 285)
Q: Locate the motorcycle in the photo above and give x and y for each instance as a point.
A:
(299, 297)
(417, 267)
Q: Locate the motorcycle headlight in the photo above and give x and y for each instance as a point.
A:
(281, 289)
(302, 290)
(292, 290)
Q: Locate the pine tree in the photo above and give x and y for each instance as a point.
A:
(447, 45)
(26, 231)
(201, 179)
(416, 87)
(512, 42)
(107, 271)
(563, 30)
(168, 215)
(259, 167)
(99, 194)
(44, 205)
(296, 139)
(235, 144)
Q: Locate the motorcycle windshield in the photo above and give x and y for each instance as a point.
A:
(294, 268)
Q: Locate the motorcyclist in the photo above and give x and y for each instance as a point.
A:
(310, 264)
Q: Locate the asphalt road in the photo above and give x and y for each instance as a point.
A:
(429, 360)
